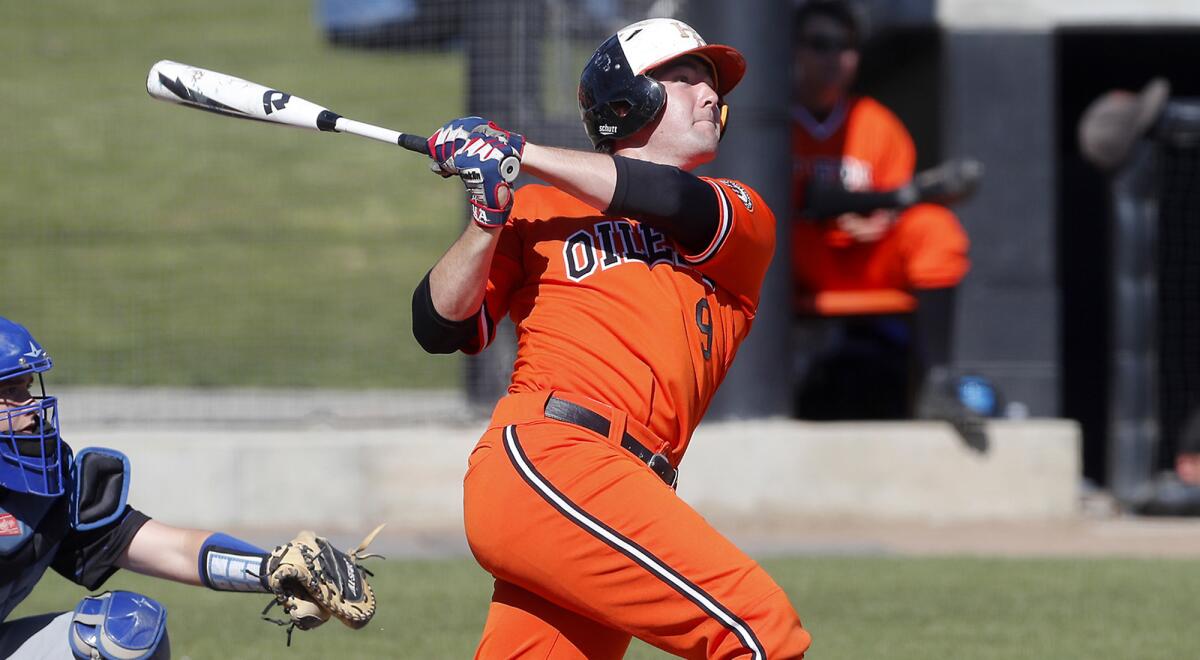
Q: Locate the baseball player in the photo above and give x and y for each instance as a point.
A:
(67, 511)
(631, 282)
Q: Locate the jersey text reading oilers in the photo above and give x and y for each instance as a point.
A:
(611, 309)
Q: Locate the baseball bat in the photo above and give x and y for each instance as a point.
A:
(233, 97)
(949, 183)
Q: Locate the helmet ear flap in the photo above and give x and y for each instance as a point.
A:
(621, 111)
(614, 100)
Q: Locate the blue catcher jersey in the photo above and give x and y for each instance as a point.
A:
(23, 559)
(36, 534)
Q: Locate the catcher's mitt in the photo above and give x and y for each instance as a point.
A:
(313, 581)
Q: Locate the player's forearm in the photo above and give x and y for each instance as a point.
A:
(195, 556)
(590, 177)
(167, 552)
(458, 281)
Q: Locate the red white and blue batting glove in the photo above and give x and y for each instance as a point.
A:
(448, 139)
(487, 166)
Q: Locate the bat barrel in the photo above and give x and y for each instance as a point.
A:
(234, 97)
(224, 94)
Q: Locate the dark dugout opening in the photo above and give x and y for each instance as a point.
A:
(1091, 62)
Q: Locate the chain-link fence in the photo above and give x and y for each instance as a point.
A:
(153, 245)
(150, 245)
(1179, 272)
(1156, 305)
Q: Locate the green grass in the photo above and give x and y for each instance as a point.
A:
(151, 244)
(855, 607)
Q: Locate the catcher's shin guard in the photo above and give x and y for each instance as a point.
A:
(119, 625)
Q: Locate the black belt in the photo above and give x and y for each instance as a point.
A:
(565, 411)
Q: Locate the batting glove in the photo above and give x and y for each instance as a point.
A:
(487, 166)
(448, 139)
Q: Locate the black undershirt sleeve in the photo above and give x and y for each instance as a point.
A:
(824, 201)
(677, 203)
(434, 333)
(89, 558)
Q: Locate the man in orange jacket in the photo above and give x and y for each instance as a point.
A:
(855, 143)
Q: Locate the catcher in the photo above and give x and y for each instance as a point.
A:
(67, 511)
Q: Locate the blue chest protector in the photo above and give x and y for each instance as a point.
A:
(99, 487)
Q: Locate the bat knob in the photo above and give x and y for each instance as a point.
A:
(510, 168)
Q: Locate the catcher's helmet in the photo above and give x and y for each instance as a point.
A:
(617, 98)
(33, 458)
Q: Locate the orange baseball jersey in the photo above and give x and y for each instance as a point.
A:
(860, 143)
(610, 309)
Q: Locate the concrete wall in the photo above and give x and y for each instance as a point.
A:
(999, 108)
(738, 474)
(889, 470)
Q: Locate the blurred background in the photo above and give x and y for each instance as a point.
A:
(229, 304)
(229, 272)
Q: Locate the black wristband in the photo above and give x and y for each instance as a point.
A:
(678, 203)
(434, 333)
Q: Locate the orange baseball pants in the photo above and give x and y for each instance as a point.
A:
(925, 249)
(589, 548)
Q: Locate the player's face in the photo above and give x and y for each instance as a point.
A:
(687, 132)
(825, 63)
(15, 393)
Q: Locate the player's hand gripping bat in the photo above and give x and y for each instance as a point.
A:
(951, 182)
(233, 97)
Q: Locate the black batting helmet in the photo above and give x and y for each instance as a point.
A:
(617, 98)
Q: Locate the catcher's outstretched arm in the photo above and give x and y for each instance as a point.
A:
(185, 555)
(311, 579)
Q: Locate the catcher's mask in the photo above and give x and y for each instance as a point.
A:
(33, 458)
(618, 99)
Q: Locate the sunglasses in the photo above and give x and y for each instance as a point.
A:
(825, 44)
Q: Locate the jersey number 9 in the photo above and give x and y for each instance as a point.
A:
(704, 323)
